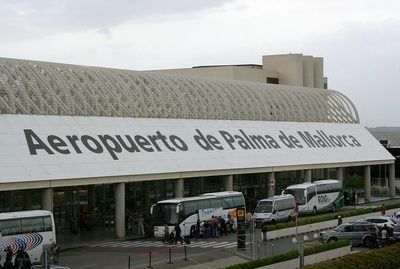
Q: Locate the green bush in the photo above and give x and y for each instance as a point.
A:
(383, 258)
(326, 217)
(289, 255)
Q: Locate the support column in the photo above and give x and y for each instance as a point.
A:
(27, 197)
(179, 187)
(270, 184)
(228, 183)
(91, 198)
(339, 173)
(47, 199)
(392, 181)
(307, 175)
(367, 179)
(146, 196)
(119, 194)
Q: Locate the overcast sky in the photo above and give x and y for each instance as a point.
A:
(359, 39)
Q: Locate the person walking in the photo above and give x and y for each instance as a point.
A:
(198, 229)
(214, 226)
(178, 234)
(166, 233)
(264, 230)
(339, 220)
(383, 210)
(141, 225)
(249, 219)
(223, 226)
(22, 260)
(9, 255)
(54, 253)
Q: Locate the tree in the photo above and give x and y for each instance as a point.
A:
(353, 182)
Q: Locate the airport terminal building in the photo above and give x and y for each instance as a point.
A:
(104, 143)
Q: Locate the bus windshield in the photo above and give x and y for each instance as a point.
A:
(298, 195)
(165, 213)
(264, 207)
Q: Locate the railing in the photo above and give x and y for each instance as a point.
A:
(163, 250)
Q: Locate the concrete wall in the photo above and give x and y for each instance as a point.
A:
(289, 67)
(308, 71)
(318, 72)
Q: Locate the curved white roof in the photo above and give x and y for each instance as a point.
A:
(40, 88)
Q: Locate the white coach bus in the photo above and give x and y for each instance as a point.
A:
(321, 195)
(186, 211)
(31, 231)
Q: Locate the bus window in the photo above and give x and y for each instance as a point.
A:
(190, 207)
(10, 227)
(310, 193)
(32, 225)
(203, 204)
(227, 202)
(47, 224)
(298, 195)
(238, 201)
(215, 203)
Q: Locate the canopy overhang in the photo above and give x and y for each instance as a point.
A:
(54, 151)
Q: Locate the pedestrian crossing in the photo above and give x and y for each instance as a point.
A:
(158, 244)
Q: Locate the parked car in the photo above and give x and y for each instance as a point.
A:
(380, 221)
(357, 232)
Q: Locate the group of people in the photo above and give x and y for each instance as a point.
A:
(174, 236)
(143, 225)
(22, 260)
(213, 228)
(380, 237)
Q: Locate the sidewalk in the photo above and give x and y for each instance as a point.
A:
(68, 240)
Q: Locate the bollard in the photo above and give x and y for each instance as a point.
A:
(170, 257)
(185, 259)
(149, 260)
(129, 262)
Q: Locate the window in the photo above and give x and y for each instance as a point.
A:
(32, 225)
(238, 201)
(47, 224)
(190, 207)
(361, 228)
(203, 204)
(10, 227)
(348, 229)
(271, 80)
(228, 202)
(215, 203)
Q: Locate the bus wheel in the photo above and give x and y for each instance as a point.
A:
(315, 210)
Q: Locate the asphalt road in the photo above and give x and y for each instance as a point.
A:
(116, 254)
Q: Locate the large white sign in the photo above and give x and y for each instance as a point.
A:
(62, 147)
